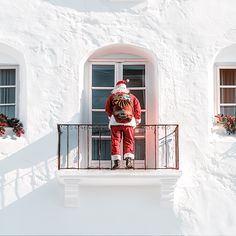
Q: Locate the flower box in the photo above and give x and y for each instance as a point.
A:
(10, 126)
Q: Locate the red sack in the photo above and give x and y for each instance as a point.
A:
(122, 107)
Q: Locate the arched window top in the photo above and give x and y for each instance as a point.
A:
(10, 55)
(227, 55)
(122, 52)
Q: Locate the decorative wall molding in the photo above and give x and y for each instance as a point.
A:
(165, 180)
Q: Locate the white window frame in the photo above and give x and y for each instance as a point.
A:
(218, 87)
(16, 68)
(118, 63)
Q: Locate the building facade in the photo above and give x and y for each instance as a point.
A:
(58, 62)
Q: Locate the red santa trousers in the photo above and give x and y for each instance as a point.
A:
(128, 141)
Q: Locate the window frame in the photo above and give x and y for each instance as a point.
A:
(218, 87)
(118, 67)
(16, 86)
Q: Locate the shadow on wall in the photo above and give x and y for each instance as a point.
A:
(28, 169)
(100, 5)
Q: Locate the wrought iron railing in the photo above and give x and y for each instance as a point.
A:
(88, 146)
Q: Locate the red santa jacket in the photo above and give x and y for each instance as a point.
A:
(136, 111)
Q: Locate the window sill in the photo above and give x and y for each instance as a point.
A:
(165, 180)
(10, 137)
(218, 134)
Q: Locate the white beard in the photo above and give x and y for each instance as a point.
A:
(120, 90)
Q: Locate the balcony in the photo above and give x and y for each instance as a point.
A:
(87, 146)
(84, 152)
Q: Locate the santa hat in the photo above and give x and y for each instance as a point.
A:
(121, 87)
(122, 83)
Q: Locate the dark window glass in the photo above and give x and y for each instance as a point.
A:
(227, 95)
(227, 76)
(135, 74)
(140, 94)
(103, 75)
(8, 111)
(101, 130)
(7, 77)
(139, 149)
(103, 147)
(99, 117)
(143, 119)
(7, 95)
(99, 98)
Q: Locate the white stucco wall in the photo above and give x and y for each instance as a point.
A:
(51, 41)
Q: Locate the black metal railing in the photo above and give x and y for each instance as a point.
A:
(88, 146)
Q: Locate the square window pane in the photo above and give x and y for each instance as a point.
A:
(7, 76)
(8, 111)
(228, 110)
(99, 117)
(103, 147)
(227, 76)
(99, 98)
(139, 149)
(7, 95)
(140, 94)
(227, 95)
(103, 75)
(135, 74)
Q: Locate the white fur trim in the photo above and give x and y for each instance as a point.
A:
(120, 89)
(116, 157)
(113, 122)
(131, 155)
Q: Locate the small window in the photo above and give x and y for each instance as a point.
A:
(8, 91)
(227, 91)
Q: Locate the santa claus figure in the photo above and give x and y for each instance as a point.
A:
(124, 112)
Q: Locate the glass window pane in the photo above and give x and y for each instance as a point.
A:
(228, 110)
(99, 117)
(99, 98)
(7, 95)
(140, 94)
(101, 131)
(7, 76)
(8, 111)
(103, 75)
(136, 75)
(143, 118)
(139, 149)
(227, 95)
(227, 76)
(105, 147)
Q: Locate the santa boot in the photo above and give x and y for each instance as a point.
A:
(129, 164)
(117, 164)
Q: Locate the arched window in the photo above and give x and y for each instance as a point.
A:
(12, 68)
(225, 78)
(105, 67)
(8, 85)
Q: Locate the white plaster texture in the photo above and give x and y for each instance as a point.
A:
(51, 41)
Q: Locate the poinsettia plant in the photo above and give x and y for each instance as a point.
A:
(228, 122)
(11, 122)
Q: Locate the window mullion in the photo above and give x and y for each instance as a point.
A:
(118, 72)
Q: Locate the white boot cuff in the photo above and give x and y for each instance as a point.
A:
(116, 157)
(131, 155)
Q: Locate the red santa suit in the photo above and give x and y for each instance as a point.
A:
(125, 128)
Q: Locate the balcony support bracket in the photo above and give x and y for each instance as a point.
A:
(165, 180)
